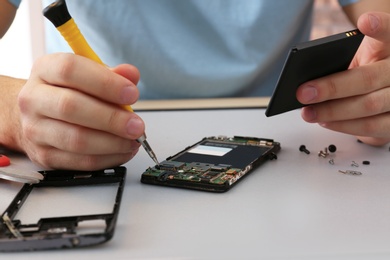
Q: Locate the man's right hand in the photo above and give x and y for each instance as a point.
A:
(71, 115)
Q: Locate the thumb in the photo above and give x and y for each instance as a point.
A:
(375, 25)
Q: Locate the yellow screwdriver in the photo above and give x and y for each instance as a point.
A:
(59, 15)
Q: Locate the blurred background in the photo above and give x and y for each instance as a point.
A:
(23, 43)
(329, 19)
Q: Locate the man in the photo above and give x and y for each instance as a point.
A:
(184, 49)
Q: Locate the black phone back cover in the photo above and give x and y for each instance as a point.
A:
(311, 60)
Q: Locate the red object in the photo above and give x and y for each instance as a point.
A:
(4, 160)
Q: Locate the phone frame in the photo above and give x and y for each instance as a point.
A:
(60, 232)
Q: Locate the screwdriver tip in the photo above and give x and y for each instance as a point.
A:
(156, 161)
(149, 150)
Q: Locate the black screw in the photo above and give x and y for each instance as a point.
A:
(332, 148)
(302, 148)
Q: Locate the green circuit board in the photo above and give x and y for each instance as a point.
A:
(196, 172)
(213, 164)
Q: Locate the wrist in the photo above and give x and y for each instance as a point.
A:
(10, 125)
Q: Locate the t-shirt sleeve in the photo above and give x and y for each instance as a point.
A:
(16, 3)
(347, 2)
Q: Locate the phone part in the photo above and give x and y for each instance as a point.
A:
(71, 231)
(311, 60)
(351, 172)
(303, 149)
(213, 164)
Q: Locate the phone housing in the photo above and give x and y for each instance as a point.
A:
(71, 231)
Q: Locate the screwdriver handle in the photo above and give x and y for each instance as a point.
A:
(76, 41)
(59, 15)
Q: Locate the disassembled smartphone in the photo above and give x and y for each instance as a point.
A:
(67, 231)
(214, 164)
(311, 60)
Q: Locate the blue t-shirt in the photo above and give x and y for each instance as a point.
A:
(193, 48)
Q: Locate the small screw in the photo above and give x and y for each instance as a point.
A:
(331, 161)
(350, 172)
(322, 154)
(302, 148)
(332, 148)
(354, 164)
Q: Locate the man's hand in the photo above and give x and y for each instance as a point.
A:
(356, 101)
(71, 116)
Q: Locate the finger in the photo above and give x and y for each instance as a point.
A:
(82, 74)
(375, 126)
(76, 139)
(373, 141)
(375, 46)
(352, 82)
(52, 158)
(128, 71)
(375, 25)
(361, 106)
(73, 107)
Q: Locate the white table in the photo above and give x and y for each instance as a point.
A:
(296, 207)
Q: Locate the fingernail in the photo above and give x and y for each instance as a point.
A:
(127, 94)
(134, 126)
(374, 22)
(309, 93)
(309, 114)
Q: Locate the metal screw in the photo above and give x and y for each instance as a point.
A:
(331, 161)
(332, 148)
(354, 164)
(302, 148)
(350, 172)
(323, 153)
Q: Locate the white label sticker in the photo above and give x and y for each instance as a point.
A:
(210, 150)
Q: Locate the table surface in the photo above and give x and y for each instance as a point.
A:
(296, 207)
